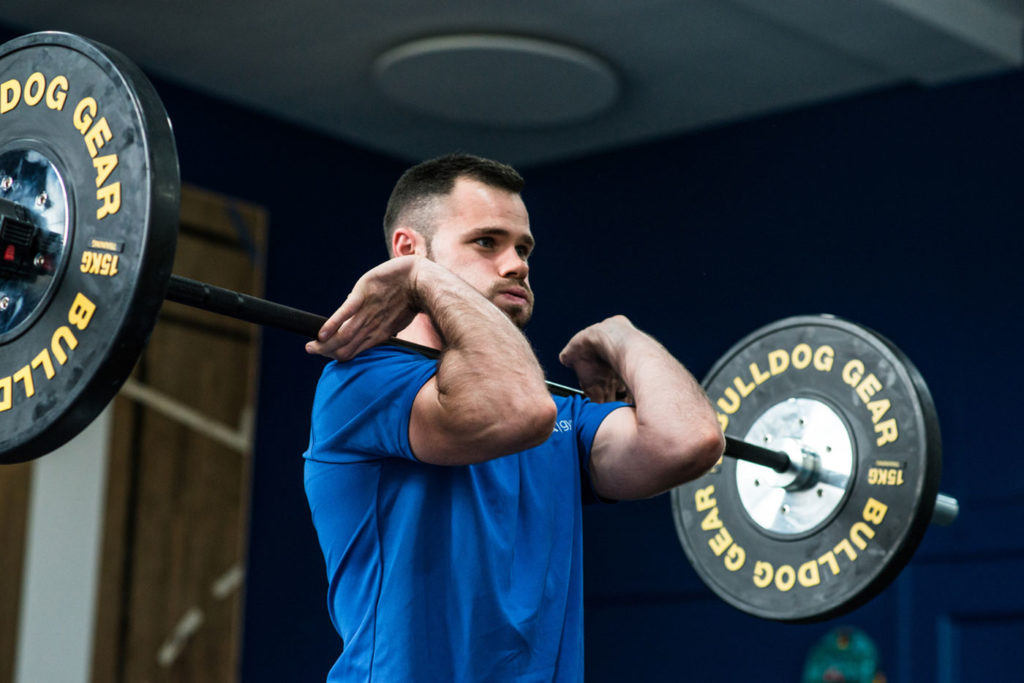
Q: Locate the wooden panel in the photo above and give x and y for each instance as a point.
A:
(174, 545)
(14, 493)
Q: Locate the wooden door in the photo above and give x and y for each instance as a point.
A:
(177, 502)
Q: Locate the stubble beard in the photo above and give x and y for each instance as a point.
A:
(519, 314)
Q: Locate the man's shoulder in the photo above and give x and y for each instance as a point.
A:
(381, 372)
(384, 358)
(363, 405)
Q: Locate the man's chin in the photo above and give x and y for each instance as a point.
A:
(519, 315)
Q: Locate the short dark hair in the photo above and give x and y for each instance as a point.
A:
(436, 178)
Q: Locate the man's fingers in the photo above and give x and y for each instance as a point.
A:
(338, 318)
(336, 349)
(574, 352)
(377, 307)
(354, 335)
(336, 344)
(605, 388)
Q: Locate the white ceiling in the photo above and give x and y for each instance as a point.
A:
(665, 66)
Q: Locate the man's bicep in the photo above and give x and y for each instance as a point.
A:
(470, 429)
(615, 467)
(428, 433)
(439, 434)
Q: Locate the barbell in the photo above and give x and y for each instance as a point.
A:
(828, 487)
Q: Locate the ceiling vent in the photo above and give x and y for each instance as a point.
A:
(496, 80)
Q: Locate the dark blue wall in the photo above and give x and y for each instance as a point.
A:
(900, 210)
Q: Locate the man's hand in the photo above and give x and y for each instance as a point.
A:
(382, 302)
(589, 355)
(669, 436)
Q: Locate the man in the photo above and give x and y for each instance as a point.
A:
(446, 493)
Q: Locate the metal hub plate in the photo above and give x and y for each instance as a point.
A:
(818, 445)
(32, 181)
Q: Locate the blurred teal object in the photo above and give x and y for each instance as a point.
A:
(844, 655)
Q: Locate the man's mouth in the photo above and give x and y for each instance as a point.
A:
(518, 295)
(516, 301)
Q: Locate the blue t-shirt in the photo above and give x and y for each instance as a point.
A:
(469, 573)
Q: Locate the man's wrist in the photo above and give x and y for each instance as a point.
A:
(620, 337)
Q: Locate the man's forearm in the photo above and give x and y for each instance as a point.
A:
(490, 389)
(670, 436)
(672, 412)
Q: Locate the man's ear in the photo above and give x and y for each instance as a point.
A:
(406, 241)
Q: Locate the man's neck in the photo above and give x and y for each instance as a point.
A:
(422, 331)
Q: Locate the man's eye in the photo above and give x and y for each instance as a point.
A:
(486, 242)
(524, 252)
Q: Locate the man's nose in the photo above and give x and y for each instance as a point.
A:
(513, 265)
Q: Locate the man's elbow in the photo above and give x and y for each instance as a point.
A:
(708, 450)
(691, 455)
(521, 423)
(533, 422)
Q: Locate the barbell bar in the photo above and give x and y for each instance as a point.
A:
(267, 313)
(252, 309)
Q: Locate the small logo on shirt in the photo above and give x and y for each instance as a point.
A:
(562, 426)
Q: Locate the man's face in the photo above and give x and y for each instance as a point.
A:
(483, 235)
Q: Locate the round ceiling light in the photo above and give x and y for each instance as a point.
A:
(496, 80)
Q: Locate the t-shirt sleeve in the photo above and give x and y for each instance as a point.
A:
(588, 417)
(362, 407)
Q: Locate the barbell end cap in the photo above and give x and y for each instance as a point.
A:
(947, 508)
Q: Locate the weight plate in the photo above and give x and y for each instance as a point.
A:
(87, 152)
(811, 548)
